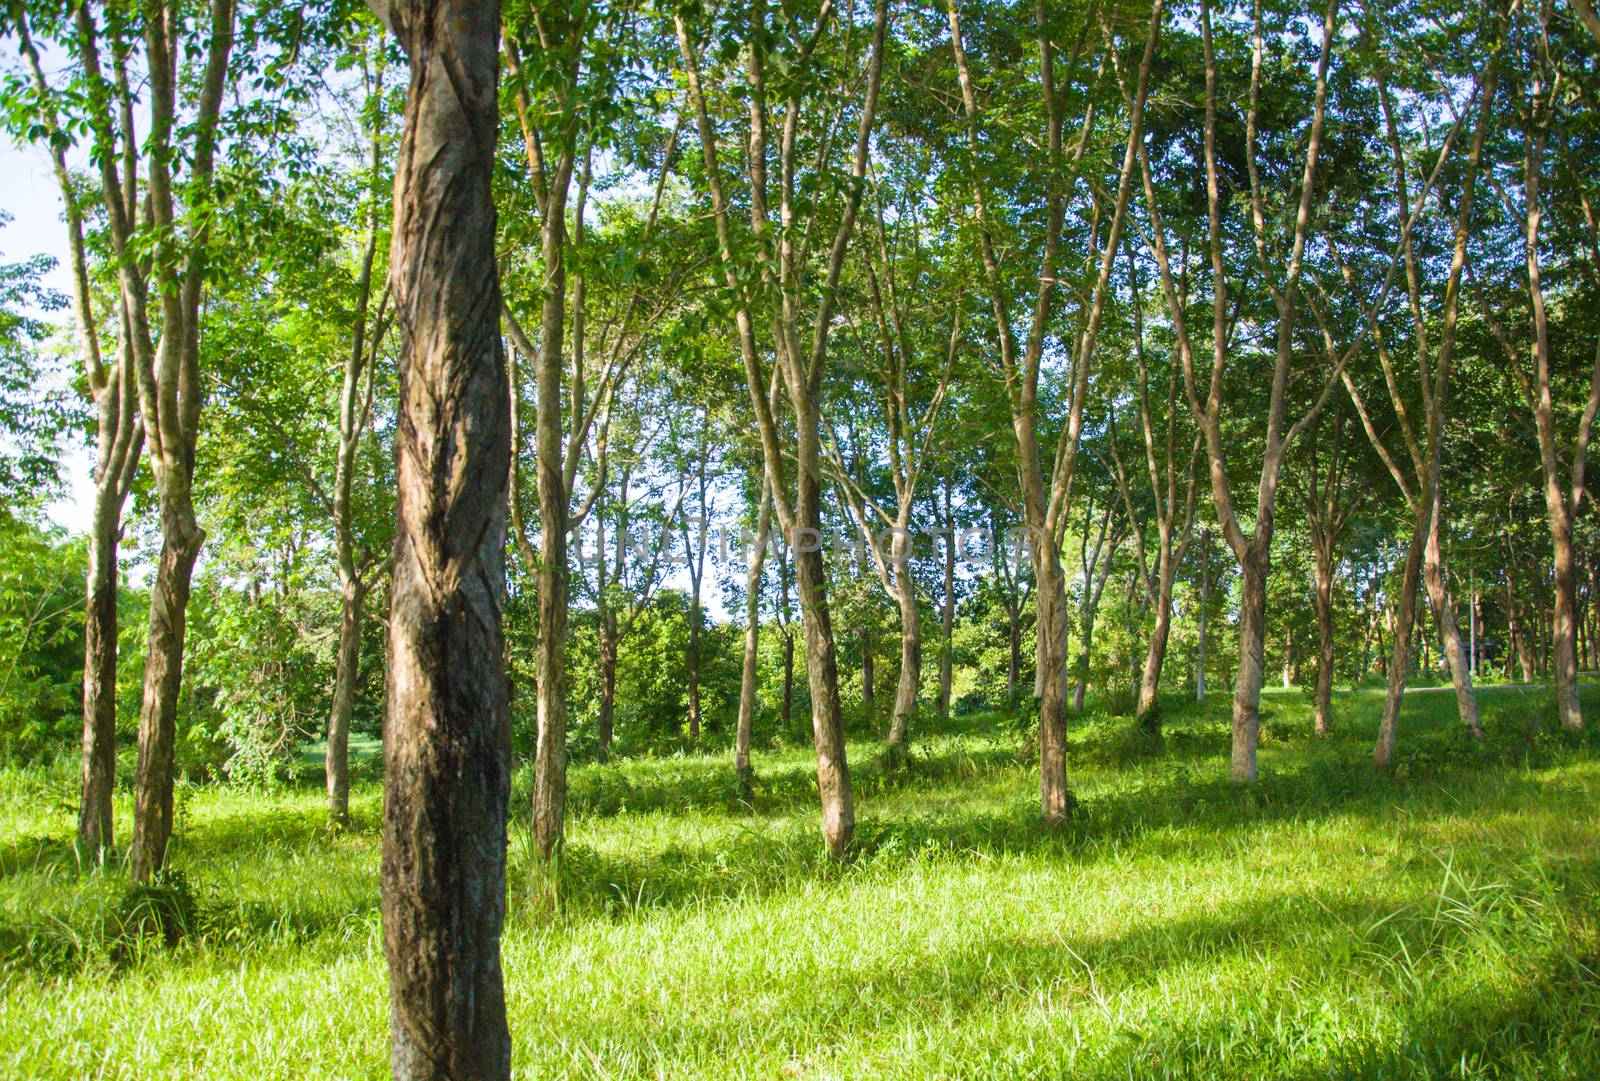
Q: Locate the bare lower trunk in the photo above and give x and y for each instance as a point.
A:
(1449, 631)
(1156, 653)
(1200, 649)
(1014, 664)
(788, 677)
(1247, 684)
(447, 745)
(1051, 598)
(867, 675)
(608, 684)
(1563, 619)
(752, 645)
(1081, 665)
(947, 613)
(693, 660)
(550, 762)
(827, 723)
(163, 679)
(1519, 638)
(336, 761)
(1400, 660)
(905, 695)
(1324, 695)
(95, 832)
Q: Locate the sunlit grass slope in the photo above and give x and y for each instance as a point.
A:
(1325, 923)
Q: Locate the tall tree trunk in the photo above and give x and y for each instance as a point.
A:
(336, 761)
(181, 538)
(788, 677)
(608, 682)
(95, 831)
(752, 646)
(1323, 724)
(822, 667)
(1444, 616)
(550, 761)
(1404, 619)
(868, 677)
(1205, 596)
(447, 745)
(1252, 635)
(693, 661)
(947, 612)
(905, 695)
(1014, 665)
(1156, 653)
(1050, 596)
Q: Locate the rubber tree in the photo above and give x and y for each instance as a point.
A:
(767, 279)
(912, 386)
(162, 61)
(559, 87)
(447, 744)
(1563, 462)
(1435, 362)
(119, 437)
(361, 560)
(1281, 265)
(1047, 491)
(1172, 503)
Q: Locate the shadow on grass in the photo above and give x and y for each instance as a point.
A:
(1202, 813)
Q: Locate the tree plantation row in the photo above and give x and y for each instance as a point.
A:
(594, 377)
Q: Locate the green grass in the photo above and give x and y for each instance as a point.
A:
(1324, 923)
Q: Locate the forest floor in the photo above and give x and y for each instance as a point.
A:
(1326, 922)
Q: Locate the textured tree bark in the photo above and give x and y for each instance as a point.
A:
(1404, 620)
(1323, 723)
(1252, 633)
(336, 764)
(822, 666)
(905, 695)
(1156, 653)
(550, 667)
(1054, 796)
(163, 678)
(1444, 616)
(752, 646)
(447, 752)
(95, 831)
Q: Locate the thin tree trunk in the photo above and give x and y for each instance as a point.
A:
(752, 645)
(1323, 723)
(1405, 618)
(1205, 595)
(336, 761)
(947, 613)
(905, 696)
(1449, 631)
(95, 831)
(1051, 598)
(608, 683)
(788, 677)
(1156, 654)
(822, 670)
(868, 677)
